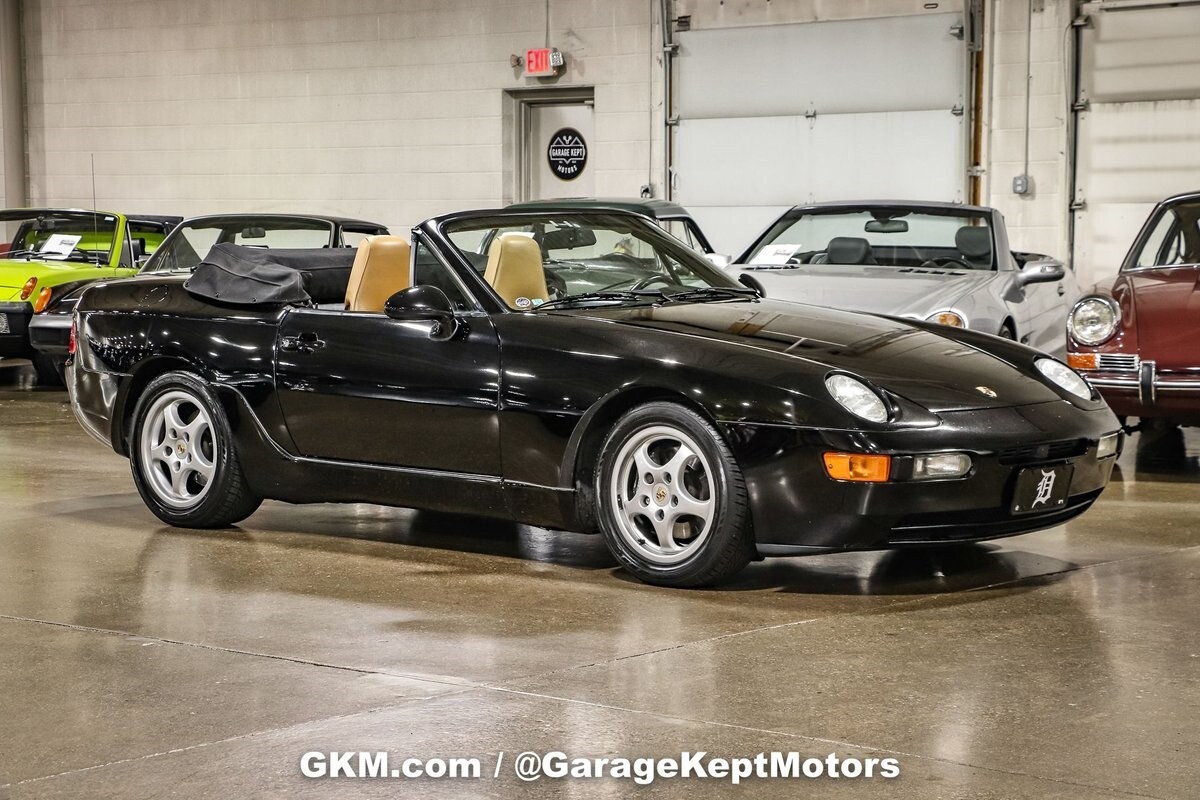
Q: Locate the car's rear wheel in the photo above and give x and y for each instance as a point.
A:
(182, 455)
(1006, 332)
(673, 504)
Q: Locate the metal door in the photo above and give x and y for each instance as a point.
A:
(1137, 123)
(557, 161)
(841, 110)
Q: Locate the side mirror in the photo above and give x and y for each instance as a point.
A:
(719, 260)
(1042, 271)
(424, 303)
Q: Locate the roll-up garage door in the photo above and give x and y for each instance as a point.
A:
(776, 116)
(1138, 123)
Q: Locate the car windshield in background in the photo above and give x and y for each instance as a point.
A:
(1174, 240)
(587, 259)
(58, 236)
(190, 242)
(879, 236)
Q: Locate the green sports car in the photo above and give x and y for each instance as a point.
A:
(45, 252)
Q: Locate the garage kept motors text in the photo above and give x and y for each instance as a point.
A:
(567, 153)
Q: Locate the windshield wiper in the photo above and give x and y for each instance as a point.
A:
(26, 253)
(706, 293)
(608, 294)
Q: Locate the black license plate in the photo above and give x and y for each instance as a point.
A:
(4, 324)
(1042, 489)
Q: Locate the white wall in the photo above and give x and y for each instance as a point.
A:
(1037, 221)
(384, 109)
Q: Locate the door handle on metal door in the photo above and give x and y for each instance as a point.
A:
(1061, 290)
(305, 342)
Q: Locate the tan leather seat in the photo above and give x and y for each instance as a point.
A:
(381, 268)
(514, 270)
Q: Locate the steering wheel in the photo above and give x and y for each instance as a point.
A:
(555, 284)
(936, 261)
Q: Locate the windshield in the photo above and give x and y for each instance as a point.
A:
(563, 258)
(58, 236)
(187, 246)
(954, 239)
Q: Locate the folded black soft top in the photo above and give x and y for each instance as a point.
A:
(256, 276)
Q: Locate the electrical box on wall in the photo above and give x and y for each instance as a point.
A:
(1023, 184)
(543, 62)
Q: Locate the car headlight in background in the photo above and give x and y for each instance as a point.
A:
(947, 317)
(857, 398)
(1063, 377)
(1094, 320)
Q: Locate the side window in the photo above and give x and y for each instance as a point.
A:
(429, 271)
(1162, 242)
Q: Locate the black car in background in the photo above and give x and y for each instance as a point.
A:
(577, 370)
(189, 241)
(671, 217)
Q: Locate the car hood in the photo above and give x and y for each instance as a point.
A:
(1167, 308)
(903, 291)
(932, 369)
(14, 272)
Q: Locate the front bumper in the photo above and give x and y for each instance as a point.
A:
(50, 333)
(14, 330)
(796, 508)
(1149, 393)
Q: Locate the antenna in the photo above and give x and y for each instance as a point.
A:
(95, 213)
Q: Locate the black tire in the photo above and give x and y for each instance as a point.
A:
(50, 370)
(1006, 332)
(710, 548)
(213, 492)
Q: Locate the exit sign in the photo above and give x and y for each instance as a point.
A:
(543, 62)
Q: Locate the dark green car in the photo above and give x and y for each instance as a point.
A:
(671, 217)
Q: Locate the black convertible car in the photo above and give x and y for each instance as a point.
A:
(582, 371)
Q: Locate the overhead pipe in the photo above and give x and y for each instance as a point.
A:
(12, 105)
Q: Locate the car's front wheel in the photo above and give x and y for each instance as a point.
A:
(673, 504)
(182, 454)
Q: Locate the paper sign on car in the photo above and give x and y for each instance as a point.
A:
(59, 245)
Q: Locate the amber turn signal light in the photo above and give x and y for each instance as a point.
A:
(1083, 360)
(858, 467)
(28, 288)
(43, 300)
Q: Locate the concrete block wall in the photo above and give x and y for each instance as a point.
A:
(1036, 221)
(385, 109)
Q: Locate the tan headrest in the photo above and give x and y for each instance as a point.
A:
(380, 270)
(514, 270)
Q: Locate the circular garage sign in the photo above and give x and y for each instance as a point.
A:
(567, 153)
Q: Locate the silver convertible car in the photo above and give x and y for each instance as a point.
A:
(938, 262)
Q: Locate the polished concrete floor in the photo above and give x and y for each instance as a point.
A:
(141, 661)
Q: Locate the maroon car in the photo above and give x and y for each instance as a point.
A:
(1137, 338)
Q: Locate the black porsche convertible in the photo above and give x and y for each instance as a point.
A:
(581, 371)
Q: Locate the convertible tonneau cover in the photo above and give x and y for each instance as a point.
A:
(255, 276)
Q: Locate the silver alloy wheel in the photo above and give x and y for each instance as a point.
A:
(178, 449)
(663, 495)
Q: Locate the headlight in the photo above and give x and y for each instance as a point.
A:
(1094, 320)
(1107, 446)
(857, 398)
(951, 318)
(1063, 377)
(936, 466)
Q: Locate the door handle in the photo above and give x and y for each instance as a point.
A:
(306, 342)
(1061, 290)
